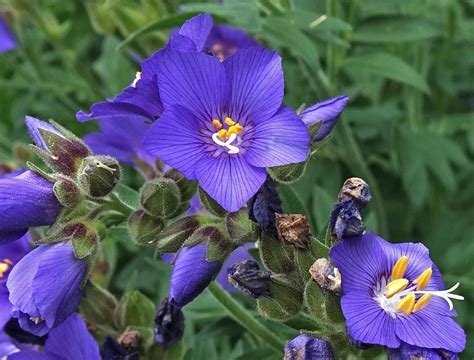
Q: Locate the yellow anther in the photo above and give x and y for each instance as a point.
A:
(222, 134)
(235, 129)
(399, 268)
(406, 304)
(229, 121)
(3, 268)
(422, 302)
(217, 124)
(395, 287)
(423, 279)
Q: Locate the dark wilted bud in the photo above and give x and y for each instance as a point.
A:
(61, 150)
(411, 352)
(326, 275)
(263, 206)
(187, 188)
(99, 175)
(293, 230)
(160, 197)
(13, 329)
(67, 192)
(130, 339)
(306, 347)
(172, 237)
(143, 227)
(112, 350)
(169, 322)
(247, 277)
(355, 189)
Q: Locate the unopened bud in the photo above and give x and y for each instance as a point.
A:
(67, 192)
(99, 175)
(169, 322)
(293, 230)
(160, 197)
(187, 188)
(247, 277)
(306, 347)
(143, 227)
(172, 237)
(326, 275)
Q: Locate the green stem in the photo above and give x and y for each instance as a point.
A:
(248, 321)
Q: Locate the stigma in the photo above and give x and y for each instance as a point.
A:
(5, 266)
(227, 134)
(402, 297)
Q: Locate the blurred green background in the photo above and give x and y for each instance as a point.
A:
(407, 66)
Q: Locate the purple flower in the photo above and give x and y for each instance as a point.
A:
(46, 287)
(224, 122)
(7, 40)
(409, 352)
(26, 200)
(69, 341)
(327, 112)
(224, 41)
(394, 293)
(10, 255)
(191, 274)
(306, 347)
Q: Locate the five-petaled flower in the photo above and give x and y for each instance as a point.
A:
(394, 294)
(224, 123)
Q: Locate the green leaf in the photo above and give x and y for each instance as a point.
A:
(397, 29)
(387, 66)
(98, 306)
(283, 303)
(275, 256)
(304, 259)
(135, 309)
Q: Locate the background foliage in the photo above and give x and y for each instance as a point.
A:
(408, 131)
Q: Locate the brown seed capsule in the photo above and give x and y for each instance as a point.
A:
(326, 275)
(355, 189)
(129, 339)
(293, 230)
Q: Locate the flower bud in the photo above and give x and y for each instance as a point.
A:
(247, 277)
(67, 193)
(326, 275)
(187, 188)
(172, 237)
(169, 322)
(143, 227)
(293, 230)
(306, 347)
(99, 175)
(410, 352)
(160, 197)
(263, 206)
(61, 150)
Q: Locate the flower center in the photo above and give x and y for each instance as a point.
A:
(227, 134)
(402, 297)
(5, 266)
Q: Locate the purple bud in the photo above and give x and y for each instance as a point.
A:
(306, 347)
(248, 278)
(327, 112)
(7, 40)
(191, 274)
(409, 352)
(169, 322)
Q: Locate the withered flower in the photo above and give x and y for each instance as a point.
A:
(326, 275)
(293, 229)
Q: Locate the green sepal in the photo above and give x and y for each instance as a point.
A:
(304, 260)
(330, 239)
(287, 174)
(173, 236)
(211, 205)
(313, 129)
(134, 309)
(160, 197)
(176, 352)
(322, 305)
(143, 227)
(240, 228)
(40, 172)
(275, 256)
(216, 239)
(318, 249)
(187, 188)
(283, 303)
(98, 307)
(67, 192)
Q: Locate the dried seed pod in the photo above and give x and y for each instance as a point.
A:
(293, 229)
(130, 339)
(326, 275)
(247, 277)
